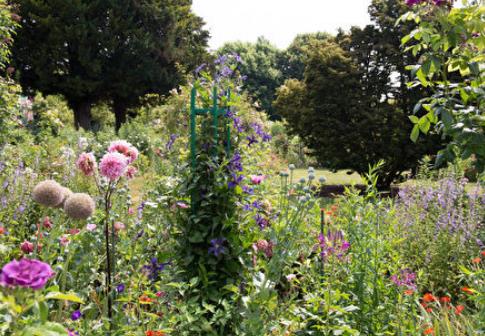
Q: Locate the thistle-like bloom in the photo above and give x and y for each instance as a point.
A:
(405, 278)
(86, 163)
(113, 165)
(48, 193)
(125, 148)
(265, 247)
(79, 206)
(29, 273)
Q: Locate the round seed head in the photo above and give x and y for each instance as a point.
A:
(79, 206)
(48, 193)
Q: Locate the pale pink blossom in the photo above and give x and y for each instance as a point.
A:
(65, 240)
(119, 226)
(182, 205)
(131, 211)
(113, 165)
(257, 179)
(86, 163)
(91, 227)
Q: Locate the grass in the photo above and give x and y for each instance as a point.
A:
(339, 177)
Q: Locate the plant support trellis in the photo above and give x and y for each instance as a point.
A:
(215, 111)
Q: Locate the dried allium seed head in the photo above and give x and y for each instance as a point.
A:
(66, 193)
(48, 193)
(79, 206)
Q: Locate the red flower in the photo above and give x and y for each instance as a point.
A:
(2, 230)
(429, 310)
(429, 331)
(467, 290)
(459, 309)
(428, 297)
(408, 292)
(445, 299)
(154, 333)
(482, 253)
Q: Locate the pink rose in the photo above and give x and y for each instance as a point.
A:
(29, 273)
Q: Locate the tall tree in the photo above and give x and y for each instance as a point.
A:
(92, 50)
(260, 63)
(356, 104)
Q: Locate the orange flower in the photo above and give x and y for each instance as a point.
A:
(145, 299)
(445, 299)
(429, 331)
(476, 260)
(408, 292)
(154, 333)
(429, 310)
(467, 290)
(459, 309)
(428, 297)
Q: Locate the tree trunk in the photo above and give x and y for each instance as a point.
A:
(119, 108)
(82, 114)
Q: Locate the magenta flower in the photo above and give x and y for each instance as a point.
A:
(125, 148)
(257, 179)
(29, 273)
(113, 165)
(86, 163)
(333, 243)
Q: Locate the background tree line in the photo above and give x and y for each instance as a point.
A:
(345, 95)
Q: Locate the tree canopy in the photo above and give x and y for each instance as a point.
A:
(115, 50)
(352, 106)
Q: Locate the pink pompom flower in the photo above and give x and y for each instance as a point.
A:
(86, 163)
(113, 165)
(125, 148)
(119, 226)
(91, 227)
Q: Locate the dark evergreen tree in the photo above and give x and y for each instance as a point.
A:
(116, 50)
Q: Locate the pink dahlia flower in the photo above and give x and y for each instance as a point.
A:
(29, 273)
(86, 163)
(113, 165)
(125, 148)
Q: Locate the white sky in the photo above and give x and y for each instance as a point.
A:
(277, 20)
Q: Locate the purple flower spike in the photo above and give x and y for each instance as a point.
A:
(217, 246)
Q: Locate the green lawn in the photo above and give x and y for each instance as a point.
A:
(340, 177)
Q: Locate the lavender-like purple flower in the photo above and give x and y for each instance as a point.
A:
(405, 278)
(200, 68)
(261, 221)
(170, 142)
(333, 243)
(154, 268)
(235, 163)
(217, 246)
(235, 180)
(251, 140)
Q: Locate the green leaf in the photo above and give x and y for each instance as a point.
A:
(414, 119)
(424, 124)
(61, 296)
(415, 133)
(422, 77)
